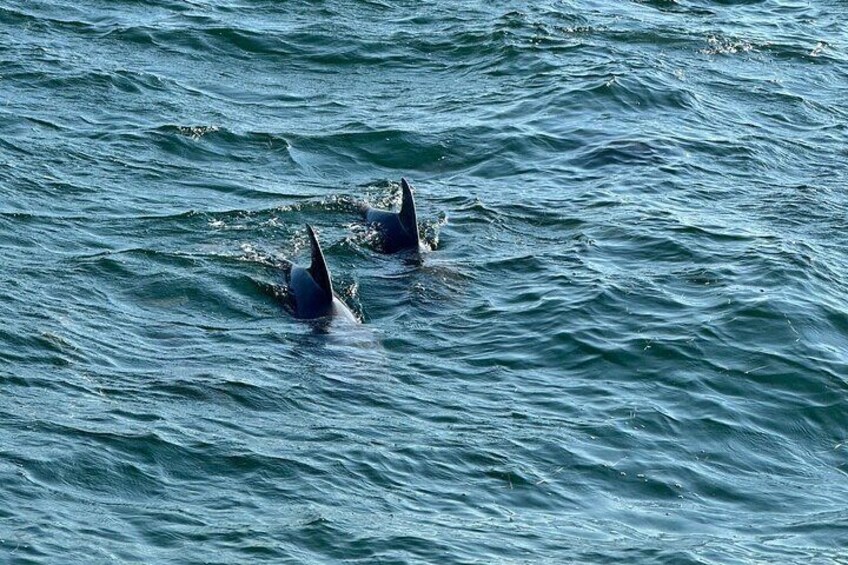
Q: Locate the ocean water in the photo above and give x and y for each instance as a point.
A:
(628, 342)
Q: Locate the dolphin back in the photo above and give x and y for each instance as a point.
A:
(399, 229)
(307, 299)
(310, 289)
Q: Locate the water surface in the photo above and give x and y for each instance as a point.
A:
(628, 343)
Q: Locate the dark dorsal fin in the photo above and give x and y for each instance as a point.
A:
(318, 269)
(408, 217)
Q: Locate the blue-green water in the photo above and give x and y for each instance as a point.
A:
(629, 343)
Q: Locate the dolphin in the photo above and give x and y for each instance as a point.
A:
(310, 289)
(399, 230)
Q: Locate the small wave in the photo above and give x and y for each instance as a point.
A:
(212, 142)
(718, 45)
(623, 152)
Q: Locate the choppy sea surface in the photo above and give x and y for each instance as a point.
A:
(628, 342)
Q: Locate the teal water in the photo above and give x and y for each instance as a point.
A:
(629, 343)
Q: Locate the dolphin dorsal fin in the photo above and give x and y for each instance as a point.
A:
(318, 269)
(408, 216)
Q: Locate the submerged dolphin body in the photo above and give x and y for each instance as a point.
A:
(398, 229)
(310, 289)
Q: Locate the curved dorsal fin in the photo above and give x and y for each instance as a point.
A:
(408, 216)
(318, 269)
